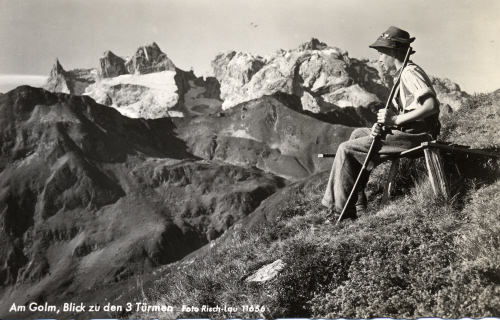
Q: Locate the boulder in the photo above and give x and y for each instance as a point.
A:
(267, 272)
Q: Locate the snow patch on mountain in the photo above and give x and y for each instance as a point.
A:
(147, 96)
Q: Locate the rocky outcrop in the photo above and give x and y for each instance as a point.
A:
(325, 78)
(112, 65)
(71, 82)
(449, 93)
(237, 69)
(58, 79)
(148, 59)
(267, 272)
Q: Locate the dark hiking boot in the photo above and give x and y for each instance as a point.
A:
(361, 203)
(332, 216)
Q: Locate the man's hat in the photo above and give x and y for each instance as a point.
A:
(394, 38)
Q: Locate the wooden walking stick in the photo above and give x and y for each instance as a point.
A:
(375, 139)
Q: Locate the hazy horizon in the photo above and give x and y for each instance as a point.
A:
(454, 39)
(12, 81)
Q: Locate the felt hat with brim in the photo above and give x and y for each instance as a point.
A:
(394, 38)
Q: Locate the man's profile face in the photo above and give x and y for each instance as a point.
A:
(386, 58)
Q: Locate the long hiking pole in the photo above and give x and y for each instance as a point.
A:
(375, 139)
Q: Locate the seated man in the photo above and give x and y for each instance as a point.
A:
(413, 119)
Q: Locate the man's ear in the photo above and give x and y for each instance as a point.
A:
(398, 54)
(395, 53)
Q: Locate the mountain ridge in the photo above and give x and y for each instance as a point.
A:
(91, 197)
(325, 79)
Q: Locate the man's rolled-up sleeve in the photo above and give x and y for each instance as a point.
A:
(419, 84)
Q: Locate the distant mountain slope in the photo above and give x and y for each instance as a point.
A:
(266, 133)
(145, 85)
(88, 196)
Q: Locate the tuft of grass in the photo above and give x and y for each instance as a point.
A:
(480, 240)
(393, 262)
(475, 124)
(475, 281)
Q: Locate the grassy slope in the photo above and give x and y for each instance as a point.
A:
(417, 257)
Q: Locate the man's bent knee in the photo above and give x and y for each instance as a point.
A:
(360, 132)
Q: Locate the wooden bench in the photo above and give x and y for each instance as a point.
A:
(433, 161)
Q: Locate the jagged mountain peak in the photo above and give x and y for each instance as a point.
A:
(154, 46)
(112, 65)
(72, 82)
(313, 44)
(109, 54)
(148, 59)
(57, 69)
(149, 49)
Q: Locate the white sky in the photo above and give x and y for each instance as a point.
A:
(456, 39)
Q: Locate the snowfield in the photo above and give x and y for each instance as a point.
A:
(147, 96)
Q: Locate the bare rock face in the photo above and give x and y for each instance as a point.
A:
(112, 65)
(449, 93)
(237, 69)
(72, 82)
(324, 77)
(57, 81)
(149, 59)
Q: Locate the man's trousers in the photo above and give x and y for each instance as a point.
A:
(350, 157)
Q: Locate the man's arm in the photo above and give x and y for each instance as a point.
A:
(429, 106)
